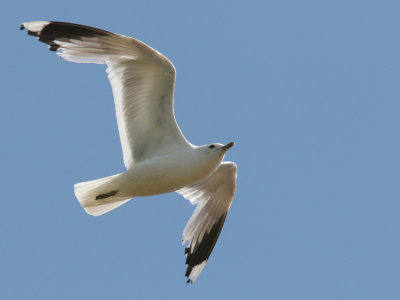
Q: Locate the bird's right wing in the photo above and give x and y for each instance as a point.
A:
(142, 81)
(213, 197)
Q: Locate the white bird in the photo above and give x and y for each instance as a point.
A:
(157, 156)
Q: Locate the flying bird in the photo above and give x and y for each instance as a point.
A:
(156, 155)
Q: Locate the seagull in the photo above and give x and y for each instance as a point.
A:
(157, 157)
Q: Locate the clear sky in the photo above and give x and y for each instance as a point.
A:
(308, 90)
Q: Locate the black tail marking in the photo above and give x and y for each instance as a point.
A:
(106, 195)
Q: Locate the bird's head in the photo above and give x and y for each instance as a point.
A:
(216, 149)
(212, 154)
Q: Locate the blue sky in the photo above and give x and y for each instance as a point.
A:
(308, 90)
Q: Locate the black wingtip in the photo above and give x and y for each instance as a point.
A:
(203, 248)
(22, 27)
(50, 31)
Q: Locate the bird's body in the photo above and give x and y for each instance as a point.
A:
(157, 156)
(153, 176)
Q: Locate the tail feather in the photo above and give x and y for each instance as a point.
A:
(99, 196)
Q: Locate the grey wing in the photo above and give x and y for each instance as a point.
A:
(213, 197)
(142, 81)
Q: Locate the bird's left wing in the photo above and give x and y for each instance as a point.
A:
(213, 197)
(142, 81)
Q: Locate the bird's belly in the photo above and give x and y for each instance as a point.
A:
(153, 179)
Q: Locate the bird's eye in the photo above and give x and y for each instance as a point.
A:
(211, 146)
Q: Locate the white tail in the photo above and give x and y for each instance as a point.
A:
(106, 188)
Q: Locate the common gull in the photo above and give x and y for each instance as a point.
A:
(156, 155)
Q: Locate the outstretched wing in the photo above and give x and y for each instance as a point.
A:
(213, 197)
(142, 81)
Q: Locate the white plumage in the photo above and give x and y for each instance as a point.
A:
(157, 156)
